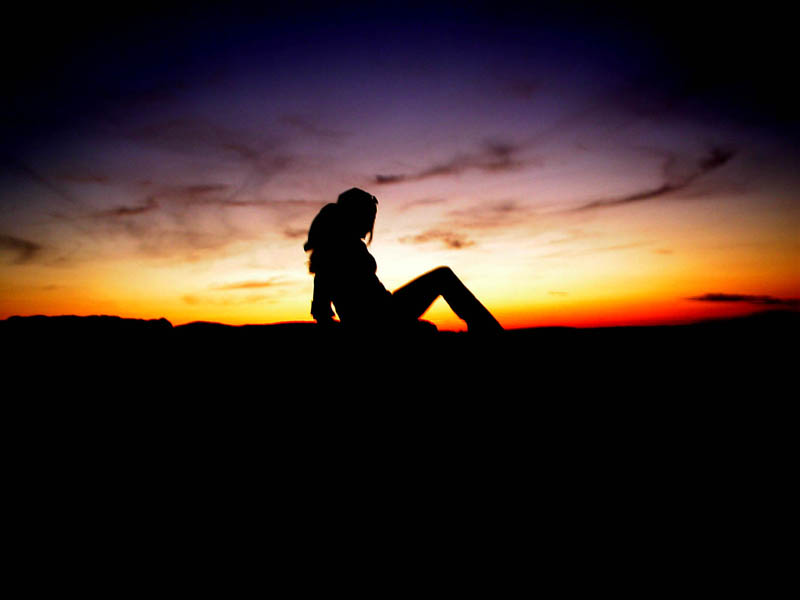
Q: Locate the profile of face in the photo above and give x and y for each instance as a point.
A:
(364, 221)
(360, 209)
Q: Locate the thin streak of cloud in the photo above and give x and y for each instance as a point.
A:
(186, 222)
(620, 247)
(126, 211)
(295, 233)
(478, 218)
(422, 202)
(489, 215)
(248, 285)
(84, 178)
(493, 157)
(212, 195)
(388, 179)
(748, 299)
(673, 181)
(574, 235)
(450, 239)
(261, 156)
(193, 136)
(311, 127)
(39, 178)
(200, 300)
(23, 251)
(583, 252)
(503, 207)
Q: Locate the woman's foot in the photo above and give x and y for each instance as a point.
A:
(486, 326)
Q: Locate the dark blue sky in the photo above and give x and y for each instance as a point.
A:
(65, 62)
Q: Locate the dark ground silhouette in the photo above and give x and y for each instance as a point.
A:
(129, 428)
(551, 361)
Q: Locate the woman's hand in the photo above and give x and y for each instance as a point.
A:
(326, 322)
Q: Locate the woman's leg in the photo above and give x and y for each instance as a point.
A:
(414, 298)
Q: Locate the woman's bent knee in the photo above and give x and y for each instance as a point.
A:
(443, 272)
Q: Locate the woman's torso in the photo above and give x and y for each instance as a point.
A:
(349, 273)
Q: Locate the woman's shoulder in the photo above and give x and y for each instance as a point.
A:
(355, 248)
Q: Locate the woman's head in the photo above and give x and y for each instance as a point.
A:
(353, 216)
(358, 211)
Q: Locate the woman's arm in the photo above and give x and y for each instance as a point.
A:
(321, 303)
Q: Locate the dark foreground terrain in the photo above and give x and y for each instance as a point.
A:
(665, 436)
(296, 356)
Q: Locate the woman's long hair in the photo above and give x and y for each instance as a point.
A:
(353, 215)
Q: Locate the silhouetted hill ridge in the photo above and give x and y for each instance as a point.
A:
(758, 336)
(776, 321)
(638, 378)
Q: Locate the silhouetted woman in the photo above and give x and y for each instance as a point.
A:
(344, 274)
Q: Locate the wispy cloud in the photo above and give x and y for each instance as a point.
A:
(450, 239)
(215, 195)
(462, 226)
(262, 155)
(193, 136)
(312, 127)
(586, 251)
(674, 179)
(492, 157)
(84, 178)
(200, 300)
(185, 222)
(748, 299)
(488, 215)
(239, 293)
(295, 233)
(386, 179)
(249, 285)
(422, 202)
(22, 251)
(149, 205)
(17, 165)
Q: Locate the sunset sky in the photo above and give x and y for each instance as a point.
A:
(573, 166)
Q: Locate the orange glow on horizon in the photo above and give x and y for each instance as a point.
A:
(632, 285)
(552, 314)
